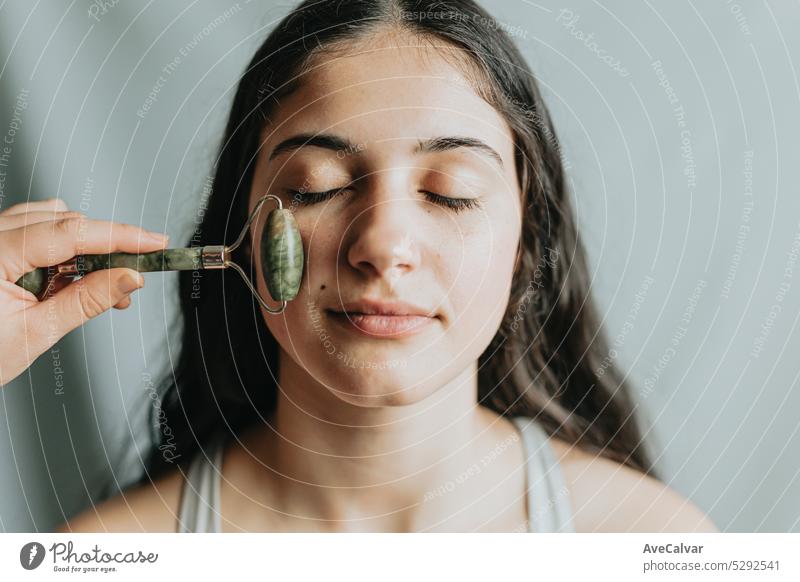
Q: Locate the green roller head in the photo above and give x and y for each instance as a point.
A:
(282, 255)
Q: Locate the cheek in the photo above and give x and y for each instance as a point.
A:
(481, 282)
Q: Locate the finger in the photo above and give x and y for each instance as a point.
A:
(79, 302)
(124, 304)
(8, 222)
(18, 298)
(51, 204)
(52, 242)
(56, 284)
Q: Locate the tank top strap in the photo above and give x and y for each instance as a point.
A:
(200, 497)
(549, 507)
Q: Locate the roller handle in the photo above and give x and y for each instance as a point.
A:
(188, 259)
(282, 259)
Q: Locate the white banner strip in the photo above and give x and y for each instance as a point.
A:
(401, 557)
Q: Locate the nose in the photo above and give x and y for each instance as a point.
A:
(384, 243)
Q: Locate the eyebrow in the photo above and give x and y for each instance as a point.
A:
(337, 143)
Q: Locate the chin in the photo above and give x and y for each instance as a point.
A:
(380, 388)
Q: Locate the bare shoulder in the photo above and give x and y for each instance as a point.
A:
(151, 507)
(607, 496)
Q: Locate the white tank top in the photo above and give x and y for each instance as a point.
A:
(548, 503)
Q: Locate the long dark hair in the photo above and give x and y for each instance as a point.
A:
(549, 359)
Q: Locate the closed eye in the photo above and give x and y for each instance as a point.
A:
(454, 204)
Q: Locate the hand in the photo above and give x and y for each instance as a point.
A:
(41, 234)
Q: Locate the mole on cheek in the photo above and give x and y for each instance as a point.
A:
(322, 287)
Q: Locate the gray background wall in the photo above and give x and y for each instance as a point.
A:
(679, 122)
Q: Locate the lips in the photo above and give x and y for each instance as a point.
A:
(392, 319)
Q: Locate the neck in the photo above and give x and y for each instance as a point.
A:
(339, 461)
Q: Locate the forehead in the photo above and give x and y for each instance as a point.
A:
(387, 92)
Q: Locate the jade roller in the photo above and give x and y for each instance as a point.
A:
(281, 259)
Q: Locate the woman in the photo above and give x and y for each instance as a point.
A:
(442, 368)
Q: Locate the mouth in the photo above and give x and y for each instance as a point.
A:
(384, 319)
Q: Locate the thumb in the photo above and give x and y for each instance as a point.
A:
(85, 299)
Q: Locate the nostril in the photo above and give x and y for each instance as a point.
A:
(384, 253)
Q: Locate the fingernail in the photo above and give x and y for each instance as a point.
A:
(129, 283)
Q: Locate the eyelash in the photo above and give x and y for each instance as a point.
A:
(454, 204)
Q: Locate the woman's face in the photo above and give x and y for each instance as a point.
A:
(402, 134)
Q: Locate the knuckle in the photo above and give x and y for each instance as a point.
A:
(72, 227)
(90, 301)
(66, 225)
(124, 229)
